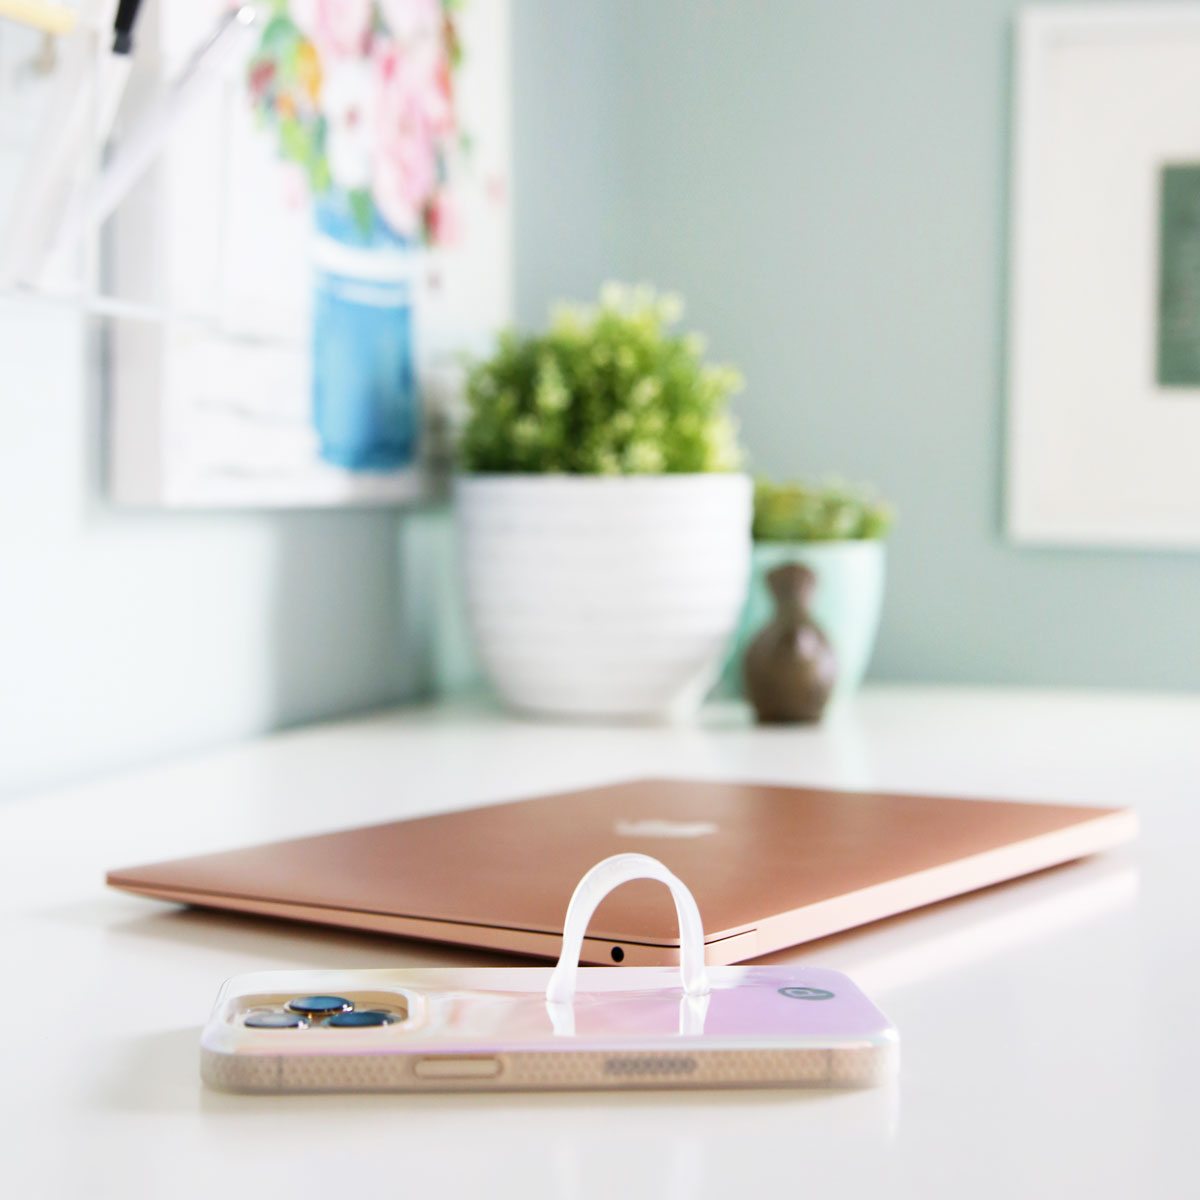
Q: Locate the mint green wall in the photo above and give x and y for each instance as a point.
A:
(826, 182)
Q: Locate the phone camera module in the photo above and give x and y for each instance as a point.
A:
(319, 1006)
(359, 1019)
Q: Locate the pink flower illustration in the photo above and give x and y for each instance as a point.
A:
(336, 27)
(361, 94)
(445, 220)
(413, 111)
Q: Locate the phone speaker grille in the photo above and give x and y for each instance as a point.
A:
(656, 1064)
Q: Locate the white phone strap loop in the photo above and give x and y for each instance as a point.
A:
(593, 887)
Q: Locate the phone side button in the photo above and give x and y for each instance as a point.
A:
(456, 1067)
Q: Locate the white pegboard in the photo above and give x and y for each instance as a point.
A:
(50, 162)
(31, 67)
(24, 84)
(28, 59)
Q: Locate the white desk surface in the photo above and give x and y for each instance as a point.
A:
(1049, 1027)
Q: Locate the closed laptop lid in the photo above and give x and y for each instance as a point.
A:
(756, 856)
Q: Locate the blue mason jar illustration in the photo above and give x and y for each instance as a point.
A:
(364, 385)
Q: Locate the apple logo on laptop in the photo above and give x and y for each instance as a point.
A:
(661, 827)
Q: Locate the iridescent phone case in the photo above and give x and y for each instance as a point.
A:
(493, 1029)
(533, 1028)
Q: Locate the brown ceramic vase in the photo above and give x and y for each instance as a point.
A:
(789, 667)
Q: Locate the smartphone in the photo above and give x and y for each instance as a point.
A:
(492, 1029)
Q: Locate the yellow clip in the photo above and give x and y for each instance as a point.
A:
(40, 14)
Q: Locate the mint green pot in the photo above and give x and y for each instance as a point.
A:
(847, 603)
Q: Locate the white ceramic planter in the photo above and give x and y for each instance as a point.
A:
(604, 596)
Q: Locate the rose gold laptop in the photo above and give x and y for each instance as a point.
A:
(769, 866)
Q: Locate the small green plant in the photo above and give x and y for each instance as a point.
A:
(831, 512)
(607, 390)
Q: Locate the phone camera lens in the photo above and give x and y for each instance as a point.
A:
(275, 1020)
(359, 1019)
(319, 1006)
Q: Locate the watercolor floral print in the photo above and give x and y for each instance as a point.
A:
(360, 96)
(335, 223)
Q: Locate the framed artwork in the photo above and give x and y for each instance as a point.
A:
(324, 236)
(1104, 369)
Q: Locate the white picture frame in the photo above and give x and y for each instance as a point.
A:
(1100, 452)
(213, 400)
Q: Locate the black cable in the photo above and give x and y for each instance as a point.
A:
(127, 13)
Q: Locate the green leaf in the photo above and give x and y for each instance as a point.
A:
(800, 512)
(319, 178)
(280, 36)
(362, 209)
(608, 389)
(295, 142)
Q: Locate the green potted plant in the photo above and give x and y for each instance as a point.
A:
(837, 531)
(603, 522)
